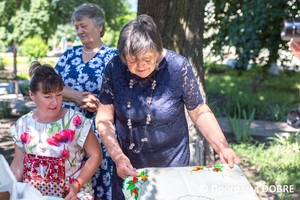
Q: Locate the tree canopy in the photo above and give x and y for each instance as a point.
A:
(250, 26)
(25, 18)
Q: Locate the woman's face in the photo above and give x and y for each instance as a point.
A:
(87, 31)
(144, 65)
(48, 105)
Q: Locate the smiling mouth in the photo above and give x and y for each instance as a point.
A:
(52, 108)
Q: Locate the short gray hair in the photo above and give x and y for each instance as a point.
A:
(92, 11)
(138, 37)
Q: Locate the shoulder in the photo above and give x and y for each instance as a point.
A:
(175, 61)
(108, 50)
(77, 117)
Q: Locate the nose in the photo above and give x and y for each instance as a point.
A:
(79, 31)
(140, 64)
(54, 101)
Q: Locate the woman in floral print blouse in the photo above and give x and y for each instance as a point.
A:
(51, 130)
(81, 69)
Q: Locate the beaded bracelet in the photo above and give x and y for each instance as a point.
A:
(78, 185)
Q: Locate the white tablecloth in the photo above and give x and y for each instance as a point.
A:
(217, 182)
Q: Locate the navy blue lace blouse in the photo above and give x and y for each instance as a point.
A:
(167, 133)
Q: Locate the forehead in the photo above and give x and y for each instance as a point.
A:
(83, 21)
(149, 54)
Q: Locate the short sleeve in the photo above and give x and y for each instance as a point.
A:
(62, 61)
(191, 93)
(82, 127)
(106, 94)
(16, 135)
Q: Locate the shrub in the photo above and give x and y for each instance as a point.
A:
(5, 110)
(34, 48)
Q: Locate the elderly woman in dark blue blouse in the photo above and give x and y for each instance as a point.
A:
(144, 92)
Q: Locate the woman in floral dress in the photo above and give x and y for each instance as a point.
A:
(51, 130)
(81, 69)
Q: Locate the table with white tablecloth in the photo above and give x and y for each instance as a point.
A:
(216, 182)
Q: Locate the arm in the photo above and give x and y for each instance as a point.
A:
(207, 124)
(104, 123)
(85, 100)
(94, 151)
(295, 46)
(17, 164)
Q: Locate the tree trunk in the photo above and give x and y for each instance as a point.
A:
(181, 25)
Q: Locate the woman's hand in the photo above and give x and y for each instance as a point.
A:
(227, 155)
(124, 167)
(72, 190)
(89, 102)
(295, 46)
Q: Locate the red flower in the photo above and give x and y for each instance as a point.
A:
(65, 154)
(144, 178)
(77, 121)
(13, 124)
(199, 168)
(216, 169)
(26, 138)
(63, 137)
(135, 179)
(210, 166)
(135, 191)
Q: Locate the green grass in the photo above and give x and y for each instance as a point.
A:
(277, 164)
(273, 99)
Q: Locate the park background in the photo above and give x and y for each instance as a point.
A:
(245, 71)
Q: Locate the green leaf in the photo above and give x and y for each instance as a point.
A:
(55, 128)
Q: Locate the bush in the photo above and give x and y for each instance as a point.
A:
(34, 48)
(5, 110)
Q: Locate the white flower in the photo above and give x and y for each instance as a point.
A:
(76, 61)
(99, 81)
(67, 68)
(97, 174)
(104, 164)
(90, 86)
(82, 78)
(62, 61)
(106, 179)
(64, 74)
(101, 191)
(55, 175)
(99, 72)
(79, 88)
(79, 67)
(95, 62)
(108, 193)
(78, 51)
(70, 55)
(70, 82)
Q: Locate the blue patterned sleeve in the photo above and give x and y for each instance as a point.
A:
(59, 68)
(106, 94)
(191, 93)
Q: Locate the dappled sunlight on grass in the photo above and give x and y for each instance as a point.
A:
(281, 90)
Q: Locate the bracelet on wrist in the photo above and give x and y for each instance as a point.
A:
(79, 186)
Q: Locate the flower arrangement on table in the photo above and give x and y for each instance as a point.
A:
(136, 183)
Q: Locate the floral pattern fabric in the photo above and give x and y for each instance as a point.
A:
(63, 138)
(82, 76)
(186, 183)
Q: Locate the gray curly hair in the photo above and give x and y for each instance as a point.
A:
(92, 11)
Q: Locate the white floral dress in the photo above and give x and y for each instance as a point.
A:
(63, 138)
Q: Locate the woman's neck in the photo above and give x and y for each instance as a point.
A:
(93, 47)
(44, 119)
(161, 56)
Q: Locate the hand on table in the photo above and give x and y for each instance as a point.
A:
(72, 192)
(124, 167)
(295, 46)
(227, 155)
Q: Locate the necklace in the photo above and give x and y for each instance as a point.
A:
(148, 118)
(90, 52)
